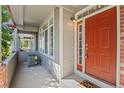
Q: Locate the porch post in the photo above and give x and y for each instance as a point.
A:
(60, 43)
(15, 40)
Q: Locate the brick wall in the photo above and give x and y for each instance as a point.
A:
(122, 46)
(3, 76)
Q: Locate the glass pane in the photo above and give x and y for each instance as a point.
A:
(80, 28)
(80, 36)
(85, 13)
(80, 60)
(46, 41)
(80, 16)
(91, 10)
(43, 42)
(80, 52)
(51, 41)
(51, 30)
(80, 44)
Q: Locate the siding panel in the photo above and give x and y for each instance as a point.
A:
(122, 46)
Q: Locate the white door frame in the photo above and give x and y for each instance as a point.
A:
(83, 74)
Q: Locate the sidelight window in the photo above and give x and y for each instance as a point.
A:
(80, 44)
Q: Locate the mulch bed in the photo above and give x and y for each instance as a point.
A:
(88, 84)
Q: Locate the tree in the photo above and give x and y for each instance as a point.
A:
(5, 14)
(6, 33)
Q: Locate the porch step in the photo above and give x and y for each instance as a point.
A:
(70, 84)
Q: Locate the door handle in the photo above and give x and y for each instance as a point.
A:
(86, 55)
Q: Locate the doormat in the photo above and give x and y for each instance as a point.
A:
(88, 84)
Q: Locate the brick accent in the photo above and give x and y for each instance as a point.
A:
(3, 76)
(122, 46)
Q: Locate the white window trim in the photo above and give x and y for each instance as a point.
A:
(48, 29)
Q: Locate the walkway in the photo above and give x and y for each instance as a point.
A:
(33, 77)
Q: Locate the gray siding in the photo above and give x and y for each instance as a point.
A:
(68, 36)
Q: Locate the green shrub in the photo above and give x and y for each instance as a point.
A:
(6, 34)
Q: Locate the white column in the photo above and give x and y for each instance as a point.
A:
(39, 43)
(15, 39)
(18, 42)
(61, 43)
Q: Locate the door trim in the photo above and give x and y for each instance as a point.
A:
(118, 48)
(83, 74)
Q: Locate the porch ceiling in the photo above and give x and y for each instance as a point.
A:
(29, 17)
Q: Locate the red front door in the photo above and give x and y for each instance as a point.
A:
(101, 42)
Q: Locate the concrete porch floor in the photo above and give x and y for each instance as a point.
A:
(33, 77)
(72, 81)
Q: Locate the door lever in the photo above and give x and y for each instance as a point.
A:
(86, 55)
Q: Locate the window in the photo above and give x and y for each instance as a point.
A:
(46, 41)
(51, 41)
(25, 44)
(40, 39)
(27, 41)
(91, 10)
(80, 44)
(47, 38)
(42, 42)
(51, 37)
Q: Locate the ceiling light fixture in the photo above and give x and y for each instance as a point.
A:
(73, 19)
